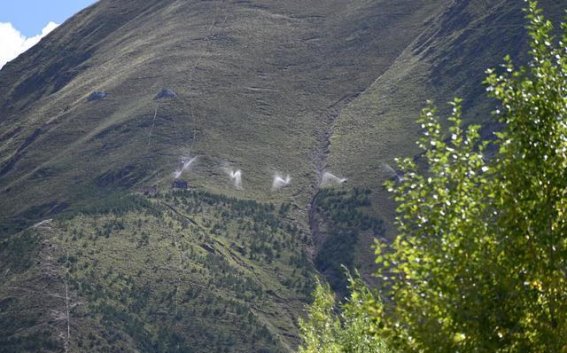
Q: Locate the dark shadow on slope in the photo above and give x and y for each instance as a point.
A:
(340, 218)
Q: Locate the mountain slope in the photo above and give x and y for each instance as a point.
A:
(182, 272)
(113, 102)
(447, 60)
(255, 83)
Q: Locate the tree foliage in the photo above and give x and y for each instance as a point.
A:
(480, 260)
(354, 330)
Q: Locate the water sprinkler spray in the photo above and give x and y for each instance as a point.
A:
(280, 182)
(186, 163)
(329, 180)
(235, 177)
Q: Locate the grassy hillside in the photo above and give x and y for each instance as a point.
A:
(185, 271)
(258, 87)
(264, 87)
(447, 60)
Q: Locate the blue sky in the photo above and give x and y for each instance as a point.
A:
(31, 16)
(24, 22)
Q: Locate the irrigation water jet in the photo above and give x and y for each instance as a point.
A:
(235, 177)
(186, 163)
(280, 182)
(392, 172)
(329, 180)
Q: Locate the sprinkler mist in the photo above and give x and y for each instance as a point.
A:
(186, 163)
(392, 173)
(235, 177)
(329, 180)
(280, 182)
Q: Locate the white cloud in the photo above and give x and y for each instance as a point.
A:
(13, 43)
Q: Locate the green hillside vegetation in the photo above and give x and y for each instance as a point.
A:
(340, 220)
(479, 261)
(258, 86)
(447, 59)
(185, 271)
(264, 87)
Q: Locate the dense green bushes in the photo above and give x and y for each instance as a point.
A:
(344, 216)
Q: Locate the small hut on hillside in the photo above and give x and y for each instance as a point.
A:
(165, 93)
(179, 184)
(150, 191)
(97, 96)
